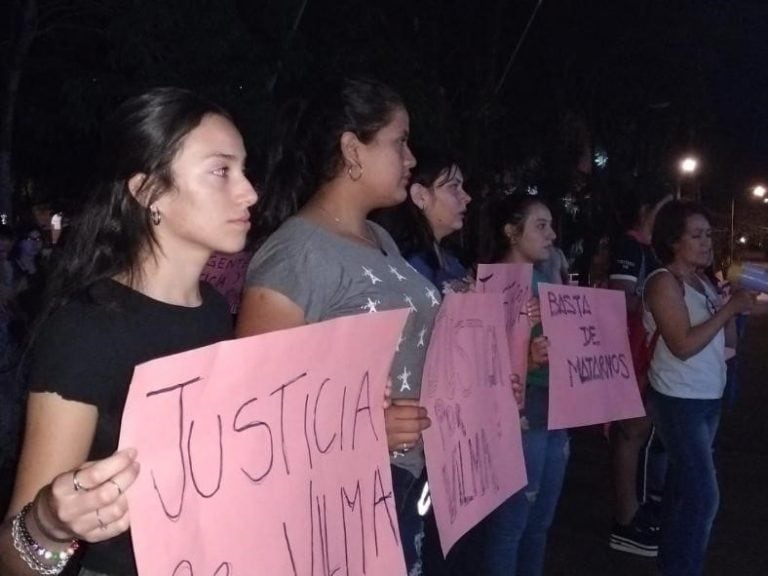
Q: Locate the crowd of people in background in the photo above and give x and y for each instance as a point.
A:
(349, 220)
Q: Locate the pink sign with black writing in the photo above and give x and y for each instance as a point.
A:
(473, 448)
(591, 377)
(267, 455)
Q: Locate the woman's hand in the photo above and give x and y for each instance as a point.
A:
(742, 301)
(518, 389)
(539, 351)
(404, 421)
(87, 503)
(533, 311)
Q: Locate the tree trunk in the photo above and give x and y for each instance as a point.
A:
(17, 54)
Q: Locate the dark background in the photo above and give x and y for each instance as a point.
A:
(639, 82)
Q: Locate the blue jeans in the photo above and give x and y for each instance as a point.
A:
(691, 495)
(516, 532)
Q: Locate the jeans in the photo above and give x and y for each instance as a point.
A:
(516, 532)
(408, 490)
(691, 495)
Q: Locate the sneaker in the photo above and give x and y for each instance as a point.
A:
(635, 538)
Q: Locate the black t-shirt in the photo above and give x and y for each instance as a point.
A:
(632, 260)
(87, 350)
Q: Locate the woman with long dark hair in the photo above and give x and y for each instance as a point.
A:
(519, 230)
(171, 191)
(346, 154)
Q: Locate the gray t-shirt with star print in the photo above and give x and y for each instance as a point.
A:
(329, 276)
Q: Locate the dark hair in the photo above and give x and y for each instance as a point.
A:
(306, 149)
(406, 222)
(670, 225)
(497, 213)
(143, 136)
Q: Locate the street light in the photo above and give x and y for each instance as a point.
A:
(758, 191)
(688, 166)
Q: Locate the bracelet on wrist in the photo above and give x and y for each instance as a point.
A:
(37, 557)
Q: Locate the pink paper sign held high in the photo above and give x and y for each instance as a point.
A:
(513, 281)
(267, 455)
(591, 377)
(473, 448)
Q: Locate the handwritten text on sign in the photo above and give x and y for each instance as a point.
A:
(473, 448)
(267, 455)
(591, 378)
(513, 281)
(226, 273)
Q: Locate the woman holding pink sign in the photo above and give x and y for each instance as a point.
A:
(520, 231)
(172, 190)
(346, 154)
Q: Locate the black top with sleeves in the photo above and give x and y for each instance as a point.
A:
(86, 351)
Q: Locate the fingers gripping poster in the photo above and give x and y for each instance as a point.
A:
(473, 448)
(267, 455)
(591, 377)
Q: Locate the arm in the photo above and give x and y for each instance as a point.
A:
(731, 334)
(265, 310)
(666, 302)
(57, 440)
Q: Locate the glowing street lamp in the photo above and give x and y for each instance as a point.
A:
(688, 165)
(687, 168)
(758, 191)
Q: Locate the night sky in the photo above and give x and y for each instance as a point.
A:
(650, 79)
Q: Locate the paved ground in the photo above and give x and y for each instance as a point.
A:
(739, 547)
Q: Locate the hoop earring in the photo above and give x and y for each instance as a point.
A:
(154, 215)
(352, 175)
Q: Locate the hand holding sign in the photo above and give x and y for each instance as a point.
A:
(405, 420)
(256, 460)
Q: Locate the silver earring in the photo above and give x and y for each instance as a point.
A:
(154, 215)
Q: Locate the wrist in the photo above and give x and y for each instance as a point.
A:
(38, 557)
(42, 526)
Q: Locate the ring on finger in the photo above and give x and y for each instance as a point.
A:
(76, 483)
(119, 490)
(100, 521)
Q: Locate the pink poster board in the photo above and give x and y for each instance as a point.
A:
(473, 448)
(513, 281)
(267, 455)
(591, 377)
(226, 273)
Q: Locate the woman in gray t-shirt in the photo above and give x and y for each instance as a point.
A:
(348, 156)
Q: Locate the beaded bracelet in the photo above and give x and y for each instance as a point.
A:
(35, 555)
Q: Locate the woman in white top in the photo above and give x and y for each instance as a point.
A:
(687, 377)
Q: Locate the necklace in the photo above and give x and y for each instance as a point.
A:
(371, 240)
